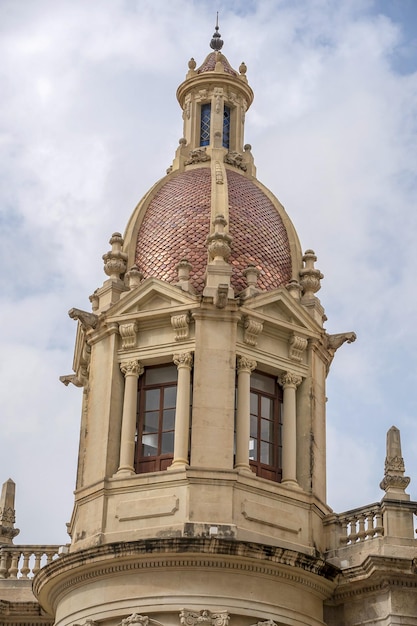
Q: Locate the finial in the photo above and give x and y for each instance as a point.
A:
(217, 42)
(394, 482)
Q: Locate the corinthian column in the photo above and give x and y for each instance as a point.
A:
(289, 382)
(132, 370)
(244, 368)
(184, 364)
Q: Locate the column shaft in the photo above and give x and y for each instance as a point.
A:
(182, 411)
(244, 368)
(289, 383)
(132, 370)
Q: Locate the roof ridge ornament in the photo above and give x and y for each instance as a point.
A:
(216, 42)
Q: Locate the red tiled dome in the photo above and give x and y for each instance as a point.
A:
(177, 222)
(210, 61)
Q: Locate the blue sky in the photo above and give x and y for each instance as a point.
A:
(89, 121)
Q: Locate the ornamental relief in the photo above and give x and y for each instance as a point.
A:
(296, 347)
(128, 335)
(181, 325)
(252, 330)
(204, 618)
(132, 368)
(289, 379)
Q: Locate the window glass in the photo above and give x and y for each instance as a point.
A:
(205, 124)
(164, 374)
(262, 382)
(226, 127)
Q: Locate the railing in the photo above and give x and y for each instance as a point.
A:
(361, 524)
(354, 526)
(23, 562)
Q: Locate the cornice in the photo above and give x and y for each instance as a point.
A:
(78, 568)
(375, 574)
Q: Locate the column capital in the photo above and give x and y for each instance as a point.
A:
(289, 379)
(244, 364)
(183, 359)
(132, 368)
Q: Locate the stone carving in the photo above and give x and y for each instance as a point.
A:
(235, 159)
(88, 622)
(187, 109)
(296, 347)
(95, 300)
(135, 618)
(219, 174)
(219, 241)
(199, 155)
(294, 288)
(71, 379)
(289, 379)
(128, 335)
(132, 368)
(7, 515)
(184, 359)
(333, 342)
(242, 70)
(252, 330)
(394, 478)
(310, 277)
(220, 297)
(218, 93)
(244, 364)
(204, 618)
(87, 320)
(268, 622)
(180, 324)
(115, 259)
(134, 277)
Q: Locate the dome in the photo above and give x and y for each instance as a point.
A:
(177, 221)
(209, 64)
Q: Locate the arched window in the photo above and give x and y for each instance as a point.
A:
(265, 426)
(205, 124)
(157, 389)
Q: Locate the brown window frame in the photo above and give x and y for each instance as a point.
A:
(145, 463)
(258, 419)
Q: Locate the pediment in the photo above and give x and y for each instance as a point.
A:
(152, 295)
(279, 307)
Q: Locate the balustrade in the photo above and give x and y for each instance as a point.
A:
(361, 524)
(23, 562)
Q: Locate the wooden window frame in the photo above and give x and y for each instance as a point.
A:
(270, 471)
(159, 461)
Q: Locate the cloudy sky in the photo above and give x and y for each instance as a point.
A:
(89, 121)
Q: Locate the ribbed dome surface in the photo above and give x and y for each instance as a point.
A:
(177, 222)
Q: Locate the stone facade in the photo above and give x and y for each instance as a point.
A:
(210, 508)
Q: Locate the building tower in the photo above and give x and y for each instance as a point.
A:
(201, 485)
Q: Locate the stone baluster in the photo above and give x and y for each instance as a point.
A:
(289, 382)
(362, 532)
(131, 370)
(14, 566)
(3, 563)
(184, 364)
(37, 564)
(244, 368)
(25, 569)
(379, 528)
